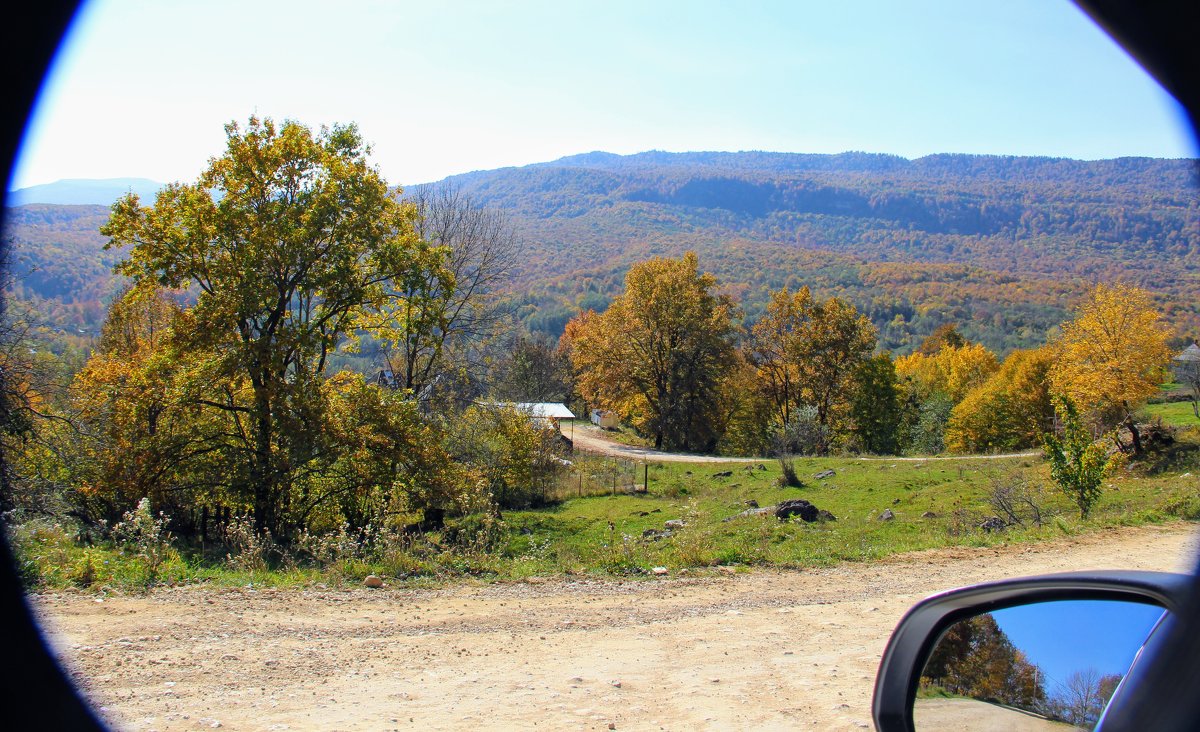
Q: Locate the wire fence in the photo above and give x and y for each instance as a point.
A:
(595, 475)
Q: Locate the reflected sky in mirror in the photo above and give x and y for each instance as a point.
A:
(1062, 637)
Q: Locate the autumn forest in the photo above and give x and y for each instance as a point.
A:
(292, 349)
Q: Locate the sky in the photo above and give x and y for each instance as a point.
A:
(1074, 635)
(143, 88)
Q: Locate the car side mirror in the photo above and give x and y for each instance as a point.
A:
(1045, 652)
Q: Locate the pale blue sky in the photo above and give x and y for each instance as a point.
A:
(143, 87)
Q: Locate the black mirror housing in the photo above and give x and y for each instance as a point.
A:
(919, 630)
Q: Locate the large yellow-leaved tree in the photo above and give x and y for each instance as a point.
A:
(1109, 357)
(1009, 411)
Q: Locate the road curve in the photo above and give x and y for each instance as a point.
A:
(589, 438)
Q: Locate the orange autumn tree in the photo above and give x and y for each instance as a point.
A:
(1109, 357)
(658, 354)
(807, 351)
(136, 434)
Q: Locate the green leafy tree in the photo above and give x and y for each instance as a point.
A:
(289, 239)
(1078, 464)
(514, 457)
(877, 406)
(382, 461)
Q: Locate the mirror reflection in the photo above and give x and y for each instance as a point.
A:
(1042, 666)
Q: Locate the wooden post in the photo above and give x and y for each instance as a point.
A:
(646, 476)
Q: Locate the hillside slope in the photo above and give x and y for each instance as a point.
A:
(1002, 246)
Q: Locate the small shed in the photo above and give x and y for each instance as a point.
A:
(544, 414)
(605, 419)
(1186, 364)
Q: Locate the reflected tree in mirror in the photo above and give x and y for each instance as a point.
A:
(1043, 666)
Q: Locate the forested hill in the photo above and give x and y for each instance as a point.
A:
(1001, 245)
(58, 263)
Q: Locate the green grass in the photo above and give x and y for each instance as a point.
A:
(603, 535)
(1176, 414)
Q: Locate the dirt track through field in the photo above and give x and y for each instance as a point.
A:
(593, 439)
(759, 650)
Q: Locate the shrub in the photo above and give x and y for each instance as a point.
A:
(145, 535)
(1078, 464)
(248, 550)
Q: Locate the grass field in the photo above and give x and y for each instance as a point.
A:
(934, 504)
(1176, 414)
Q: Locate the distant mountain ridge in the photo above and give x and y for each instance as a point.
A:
(83, 191)
(1003, 246)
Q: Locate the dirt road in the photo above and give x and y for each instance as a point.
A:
(760, 650)
(969, 715)
(593, 439)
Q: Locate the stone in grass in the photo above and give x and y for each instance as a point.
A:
(887, 515)
(751, 512)
(674, 524)
(802, 508)
(995, 523)
(373, 581)
(825, 474)
(660, 571)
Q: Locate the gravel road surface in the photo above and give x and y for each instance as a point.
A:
(756, 650)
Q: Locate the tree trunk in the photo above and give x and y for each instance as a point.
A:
(1136, 436)
(262, 473)
(433, 519)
